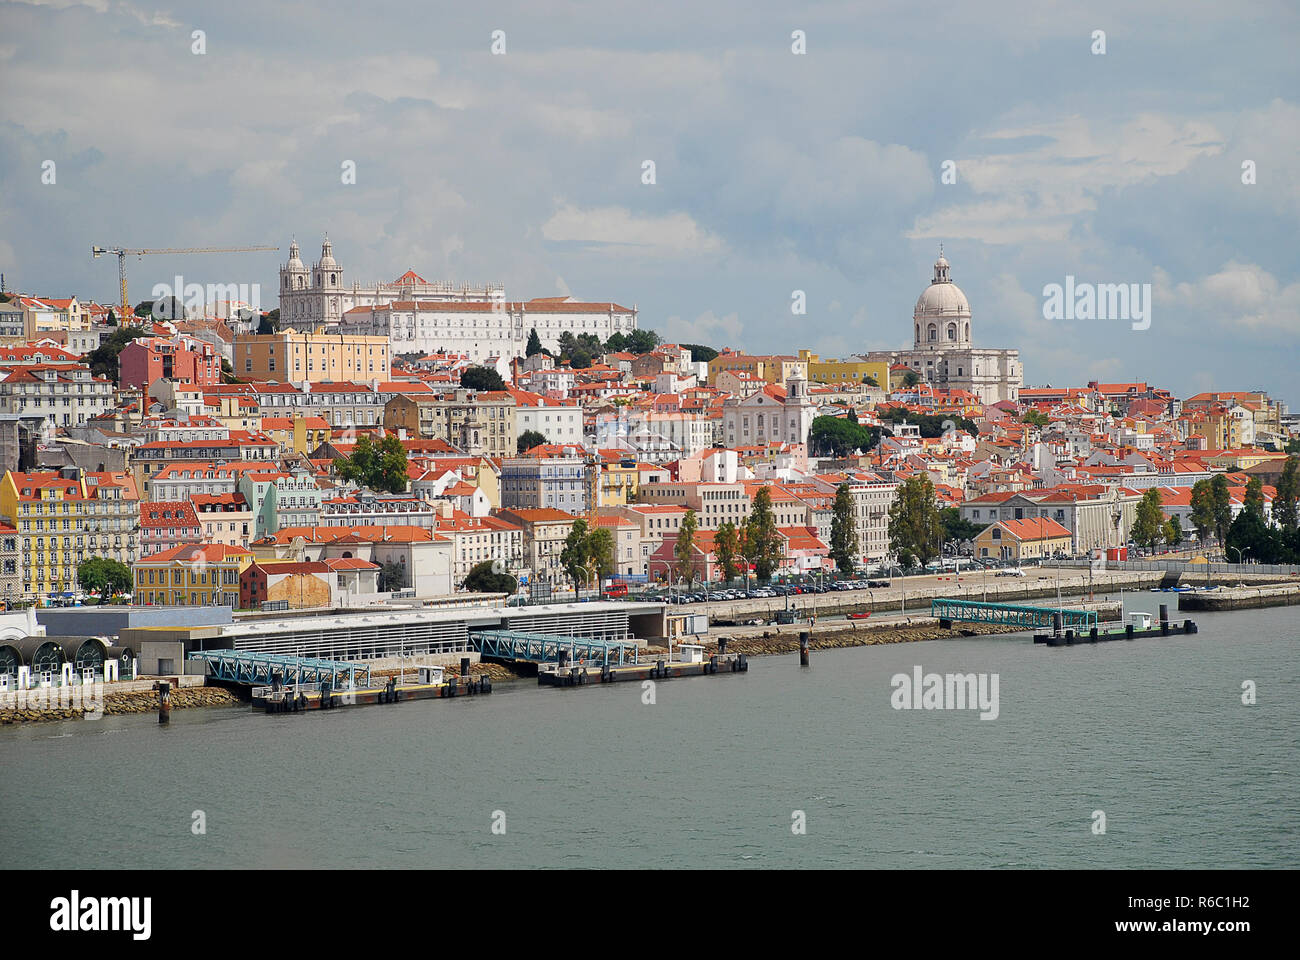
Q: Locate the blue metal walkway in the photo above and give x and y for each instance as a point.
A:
(256, 669)
(1009, 614)
(546, 647)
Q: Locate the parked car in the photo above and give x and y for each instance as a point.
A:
(1010, 572)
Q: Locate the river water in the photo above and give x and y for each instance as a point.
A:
(717, 772)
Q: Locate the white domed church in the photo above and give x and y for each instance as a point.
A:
(943, 352)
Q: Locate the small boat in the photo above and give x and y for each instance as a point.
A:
(858, 616)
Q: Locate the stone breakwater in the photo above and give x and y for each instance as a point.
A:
(119, 703)
(769, 642)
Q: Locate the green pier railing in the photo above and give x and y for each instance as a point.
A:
(1010, 614)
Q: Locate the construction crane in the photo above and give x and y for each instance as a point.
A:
(123, 252)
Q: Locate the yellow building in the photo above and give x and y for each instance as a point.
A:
(773, 369)
(1244, 459)
(840, 372)
(292, 357)
(619, 474)
(191, 575)
(1025, 539)
(297, 434)
(63, 522)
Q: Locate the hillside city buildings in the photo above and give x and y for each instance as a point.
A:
(207, 459)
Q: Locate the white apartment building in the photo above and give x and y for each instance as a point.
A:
(654, 437)
(559, 421)
(65, 394)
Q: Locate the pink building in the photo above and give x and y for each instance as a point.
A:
(183, 359)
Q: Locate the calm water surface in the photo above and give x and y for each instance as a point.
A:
(1151, 732)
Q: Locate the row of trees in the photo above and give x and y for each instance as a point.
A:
(932, 425)
(1250, 537)
(1150, 526)
(580, 350)
(756, 540)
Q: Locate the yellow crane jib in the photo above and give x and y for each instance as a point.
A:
(123, 252)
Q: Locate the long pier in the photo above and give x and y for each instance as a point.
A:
(516, 645)
(249, 668)
(948, 611)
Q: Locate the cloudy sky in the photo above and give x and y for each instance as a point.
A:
(774, 172)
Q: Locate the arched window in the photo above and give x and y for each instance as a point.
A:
(918, 331)
(333, 279)
(933, 333)
(968, 331)
(952, 331)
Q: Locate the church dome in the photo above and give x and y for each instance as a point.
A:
(295, 260)
(942, 299)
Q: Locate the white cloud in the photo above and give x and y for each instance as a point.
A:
(617, 229)
(1042, 194)
(1238, 295)
(708, 328)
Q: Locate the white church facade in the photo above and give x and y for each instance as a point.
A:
(942, 351)
(422, 317)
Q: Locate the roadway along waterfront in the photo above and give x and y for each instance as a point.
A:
(1152, 732)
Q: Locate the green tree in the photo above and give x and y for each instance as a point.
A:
(915, 528)
(392, 576)
(1222, 506)
(269, 323)
(1174, 531)
(104, 576)
(764, 546)
(911, 378)
(1149, 522)
(726, 549)
(617, 343)
(103, 359)
(1036, 417)
(1171, 532)
(1288, 492)
(1202, 503)
(481, 378)
(839, 437)
(380, 466)
(642, 341)
(955, 528)
(483, 579)
(534, 343)
(529, 439)
(1254, 501)
(600, 554)
(684, 549)
(699, 352)
(575, 555)
(844, 531)
(851, 416)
